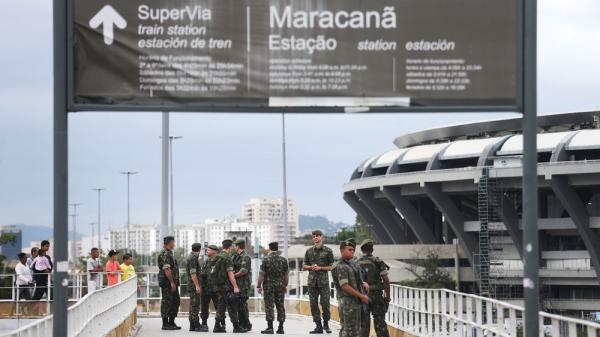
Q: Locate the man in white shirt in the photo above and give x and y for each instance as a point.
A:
(24, 280)
(94, 268)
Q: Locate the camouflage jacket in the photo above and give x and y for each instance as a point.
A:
(274, 268)
(192, 266)
(346, 272)
(166, 260)
(374, 269)
(322, 257)
(216, 273)
(242, 262)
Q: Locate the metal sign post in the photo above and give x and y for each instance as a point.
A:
(530, 182)
(61, 13)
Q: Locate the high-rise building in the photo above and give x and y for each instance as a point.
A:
(143, 239)
(11, 249)
(269, 211)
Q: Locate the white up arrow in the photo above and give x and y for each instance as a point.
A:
(107, 17)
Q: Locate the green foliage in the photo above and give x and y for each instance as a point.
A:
(428, 272)
(7, 238)
(357, 233)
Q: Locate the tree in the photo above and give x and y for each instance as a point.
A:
(356, 233)
(7, 239)
(428, 272)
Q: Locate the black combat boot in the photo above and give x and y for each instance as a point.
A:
(172, 323)
(269, 329)
(326, 326)
(193, 326)
(280, 328)
(238, 329)
(203, 327)
(318, 328)
(218, 327)
(166, 325)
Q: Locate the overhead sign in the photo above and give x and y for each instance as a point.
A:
(302, 55)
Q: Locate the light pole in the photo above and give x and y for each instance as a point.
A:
(285, 199)
(128, 174)
(171, 139)
(74, 242)
(99, 190)
(92, 224)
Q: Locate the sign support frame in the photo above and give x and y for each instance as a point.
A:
(63, 81)
(530, 176)
(62, 34)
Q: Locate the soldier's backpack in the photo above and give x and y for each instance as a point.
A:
(372, 267)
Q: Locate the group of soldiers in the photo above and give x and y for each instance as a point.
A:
(362, 287)
(223, 277)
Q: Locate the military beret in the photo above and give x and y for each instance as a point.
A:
(317, 232)
(348, 242)
(367, 242)
(196, 246)
(213, 247)
(227, 241)
(168, 239)
(274, 245)
(240, 241)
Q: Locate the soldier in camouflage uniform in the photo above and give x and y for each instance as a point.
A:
(168, 279)
(318, 261)
(376, 275)
(242, 268)
(350, 290)
(192, 272)
(219, 272)
(272, 283)
(204, 300)
(231, 299)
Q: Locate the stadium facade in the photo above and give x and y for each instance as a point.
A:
(462, 184)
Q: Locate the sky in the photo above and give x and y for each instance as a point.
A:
(225, 159)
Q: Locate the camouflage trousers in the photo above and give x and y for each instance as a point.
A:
(378, 308)
(232, 304)
(218, 299)
(194, 305)
(351, 312)
(319, 293)
(169, 303)
(274, 297)
(243, 314)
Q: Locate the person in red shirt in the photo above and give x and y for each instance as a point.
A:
(113, 268)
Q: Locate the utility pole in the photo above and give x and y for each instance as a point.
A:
(171, 139)
(74, 242)
(285, 198)
(99, 190)
(128, 174)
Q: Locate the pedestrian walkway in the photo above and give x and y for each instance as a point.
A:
(295, 325)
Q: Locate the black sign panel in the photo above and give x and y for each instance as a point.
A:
(300, 55)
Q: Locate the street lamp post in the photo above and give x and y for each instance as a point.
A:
(171, 139)
(93, 234)
(99, 190)
(128, 174)
(74, 242)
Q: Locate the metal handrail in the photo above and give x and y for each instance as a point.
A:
(421, 312)
(93, 315)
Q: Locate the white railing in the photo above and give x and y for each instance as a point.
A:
(421, 312)
(96, 314)
(442, 312)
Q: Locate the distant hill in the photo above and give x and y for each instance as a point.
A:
(37, 233)
(309, 223)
